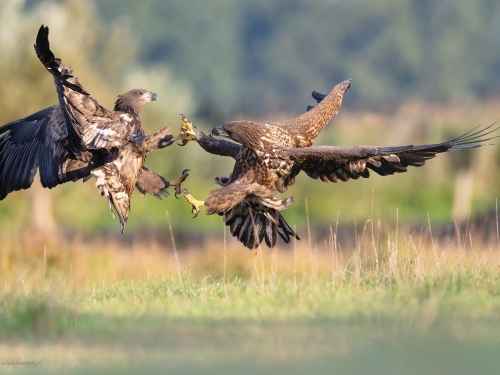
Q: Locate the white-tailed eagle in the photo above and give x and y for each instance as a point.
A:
(268, 157)
(78, 138)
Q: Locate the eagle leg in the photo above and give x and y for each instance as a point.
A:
(195, 210)
(177, 183)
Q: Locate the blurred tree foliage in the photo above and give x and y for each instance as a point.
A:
(259, 56)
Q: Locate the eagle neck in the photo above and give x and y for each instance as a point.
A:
(122, 106)
(251, 135)
(130, 111)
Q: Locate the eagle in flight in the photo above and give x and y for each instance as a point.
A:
(78, 138)
(268, 157)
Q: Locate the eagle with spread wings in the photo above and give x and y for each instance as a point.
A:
(268, 158)
(78, 138)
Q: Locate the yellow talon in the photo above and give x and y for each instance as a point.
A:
(187, 128)
(195, 210)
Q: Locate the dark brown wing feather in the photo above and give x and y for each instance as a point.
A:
(336, 163)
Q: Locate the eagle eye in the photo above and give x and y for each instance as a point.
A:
(141, 93)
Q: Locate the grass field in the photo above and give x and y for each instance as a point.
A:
(395, 303)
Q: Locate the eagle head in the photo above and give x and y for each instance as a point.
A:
(232, 130)
(221, 131)
(133, 100)
(246, 133)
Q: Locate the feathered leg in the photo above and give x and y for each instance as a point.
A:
(110, 185)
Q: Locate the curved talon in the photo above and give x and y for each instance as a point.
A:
(181, 144)
(177, 191)
(186, 191)
(177, 183)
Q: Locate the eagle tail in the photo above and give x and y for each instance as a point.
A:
(252, 225)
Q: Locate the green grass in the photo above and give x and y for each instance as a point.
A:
(446, 322)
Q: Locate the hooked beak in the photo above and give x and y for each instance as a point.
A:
(220, 131)
(154, 97)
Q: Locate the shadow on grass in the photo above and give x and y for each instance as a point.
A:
(291, 348)
(41, 328)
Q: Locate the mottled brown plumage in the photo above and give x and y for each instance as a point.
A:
(78, 138)
(270, 156)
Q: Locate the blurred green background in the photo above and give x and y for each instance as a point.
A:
(423, 72)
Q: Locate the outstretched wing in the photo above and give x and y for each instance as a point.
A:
(65, 83)
(89, 125)
(26, 145)
(39, 141)
(304, 129)
(332, 163)
(218, 146)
